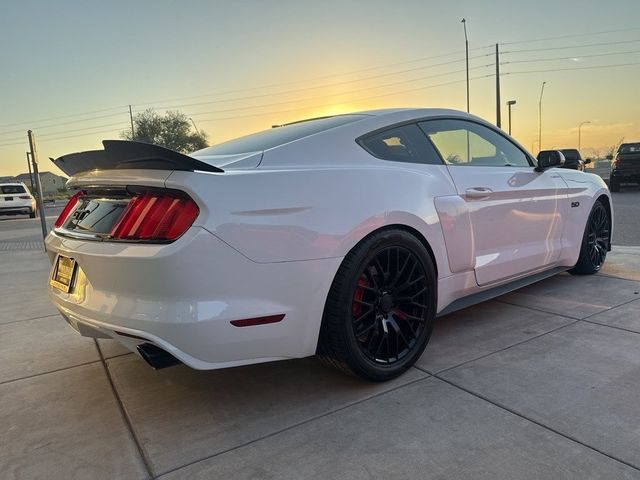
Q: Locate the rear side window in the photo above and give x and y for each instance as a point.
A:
(406, 143)
(277, 136)
(9, 189)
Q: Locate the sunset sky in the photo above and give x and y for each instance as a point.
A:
(69, 69)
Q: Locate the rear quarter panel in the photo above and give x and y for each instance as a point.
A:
(280, 215)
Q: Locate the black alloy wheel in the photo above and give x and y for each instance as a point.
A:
(595, 242)
(381, 306)
(389, 305)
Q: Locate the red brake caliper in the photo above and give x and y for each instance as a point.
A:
(356, 308)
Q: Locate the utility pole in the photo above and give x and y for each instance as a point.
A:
(466, 51)
(34, 159)
(498, 120)
(33, 188)
(133, 133)
(540, 117)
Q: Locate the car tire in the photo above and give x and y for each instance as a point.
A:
(614, 184)
(595, 241)
(381, 306)
(32, 213)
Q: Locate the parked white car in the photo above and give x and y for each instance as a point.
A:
(343, 236)
(15, 199)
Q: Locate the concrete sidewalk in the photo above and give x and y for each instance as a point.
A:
(541, 383)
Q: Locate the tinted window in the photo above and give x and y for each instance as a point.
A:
(467, 143)
(629, 148)
(9, 189)
(266, 139)
(96, 216)
(571, 154)
(401, 144)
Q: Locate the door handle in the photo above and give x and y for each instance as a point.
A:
(478, 192)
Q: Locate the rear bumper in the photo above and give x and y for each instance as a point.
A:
(626, 175)
(182, 297)
(17, 207)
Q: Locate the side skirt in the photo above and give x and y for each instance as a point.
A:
(494, 292)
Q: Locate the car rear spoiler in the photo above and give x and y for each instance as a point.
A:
(119, 154)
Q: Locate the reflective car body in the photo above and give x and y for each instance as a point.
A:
(275, 225)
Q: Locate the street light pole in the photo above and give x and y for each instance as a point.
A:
(509, 104)
(466, 50)
(540, 117)
(579, 127)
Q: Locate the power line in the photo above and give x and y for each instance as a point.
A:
(61, 138)
(44, 127)
(92, 128)
(32, 122)
(307, 107)
(294, 82)
(285, 92)
(585, 45)
(589, 34)
(112, 130)
(254, 106)
(350, 92)
(571, 57)
(574, 68)
(52, 134)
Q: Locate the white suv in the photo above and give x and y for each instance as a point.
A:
(15, 198)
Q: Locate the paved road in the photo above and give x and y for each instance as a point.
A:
(21, 228)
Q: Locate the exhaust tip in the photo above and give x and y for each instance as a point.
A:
(156, 357)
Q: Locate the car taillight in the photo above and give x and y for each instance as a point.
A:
(155, 216)
(69, 207)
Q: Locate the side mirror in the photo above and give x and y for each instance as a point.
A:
(587, 160)
(609, 157)
(549, 159)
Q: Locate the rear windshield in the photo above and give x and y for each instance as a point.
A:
(630, 148)
(8, 189)
(274, 137)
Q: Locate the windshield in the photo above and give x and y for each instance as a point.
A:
(276, 136)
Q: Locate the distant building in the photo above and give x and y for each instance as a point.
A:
(51, 183)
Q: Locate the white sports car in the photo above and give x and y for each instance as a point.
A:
(342, 236)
